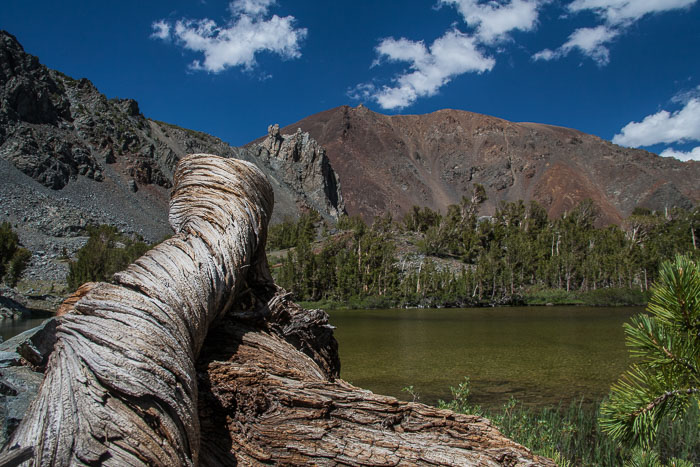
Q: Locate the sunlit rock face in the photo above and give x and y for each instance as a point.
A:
(391, 163)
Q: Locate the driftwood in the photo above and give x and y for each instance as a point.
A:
(132, 379)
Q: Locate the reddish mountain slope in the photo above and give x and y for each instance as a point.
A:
(390, 163)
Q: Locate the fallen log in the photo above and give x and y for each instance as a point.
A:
(194, 357)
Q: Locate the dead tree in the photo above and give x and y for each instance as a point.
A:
(135, 379)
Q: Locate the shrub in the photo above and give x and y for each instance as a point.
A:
(553, 296)
(13, 258)
(614, 297)
(106, 252)
(9, 242)
(573, 435)
(16, 266)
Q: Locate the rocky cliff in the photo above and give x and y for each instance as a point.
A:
(390, 163)
(300, 163)
(69, 157)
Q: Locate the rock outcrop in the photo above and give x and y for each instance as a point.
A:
(391, 163)
(301, 163)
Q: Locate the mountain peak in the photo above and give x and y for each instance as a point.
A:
(393, 162)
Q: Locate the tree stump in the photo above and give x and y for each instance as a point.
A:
(194, 357)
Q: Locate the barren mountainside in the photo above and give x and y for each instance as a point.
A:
(69, 157)
(390, 163)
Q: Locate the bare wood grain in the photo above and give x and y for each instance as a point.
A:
(271, 394)
(120, 387)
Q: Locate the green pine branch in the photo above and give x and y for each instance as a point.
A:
(666, 377)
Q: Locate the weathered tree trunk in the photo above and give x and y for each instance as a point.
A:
(120, 386)
(269, 393)
(127, 384)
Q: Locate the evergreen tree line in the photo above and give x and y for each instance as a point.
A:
(519, 252)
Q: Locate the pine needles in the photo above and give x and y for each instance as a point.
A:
(665, 380)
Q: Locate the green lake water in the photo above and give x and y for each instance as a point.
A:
(12, 327)
(539, 355)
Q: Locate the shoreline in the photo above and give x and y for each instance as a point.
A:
(547, 297)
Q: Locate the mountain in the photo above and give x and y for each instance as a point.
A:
(391, 163)
(69, 157)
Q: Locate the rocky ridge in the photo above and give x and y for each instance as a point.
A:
(70, 157)
(434, 159)
(314, 180)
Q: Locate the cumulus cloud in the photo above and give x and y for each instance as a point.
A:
(430, 68)
(617, 16)
(453, 54)
(589, 41)
(493, 21)
(663, 127)
(235, 44)
(693, 155)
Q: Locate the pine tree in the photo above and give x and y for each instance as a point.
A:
(666, 378)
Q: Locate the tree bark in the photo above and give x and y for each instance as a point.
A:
(135, 380)
(270, 393)
(120, 387)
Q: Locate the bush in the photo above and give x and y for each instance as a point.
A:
(9, 242)
(13, 258)
(599, 297)
(553, 296)
(573, 435)
(16, 266)
(614, 297)
(106, 252)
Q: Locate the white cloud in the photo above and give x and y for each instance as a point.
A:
(251, 7)
(494, 20)
(431, 68)
(663, 127)
(546, 55)
(453, 54)
(617, 15)
(161, 30)
(237, 43)
(693, 155)
(684, 97)
(616, 12)
(589, 41)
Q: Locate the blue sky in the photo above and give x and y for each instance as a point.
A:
(624, 70)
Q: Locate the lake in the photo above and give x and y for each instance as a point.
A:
(539, 355)
(12, 327)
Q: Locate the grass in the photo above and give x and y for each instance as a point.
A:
(598, 297)
(572, 436)
(353, 303)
